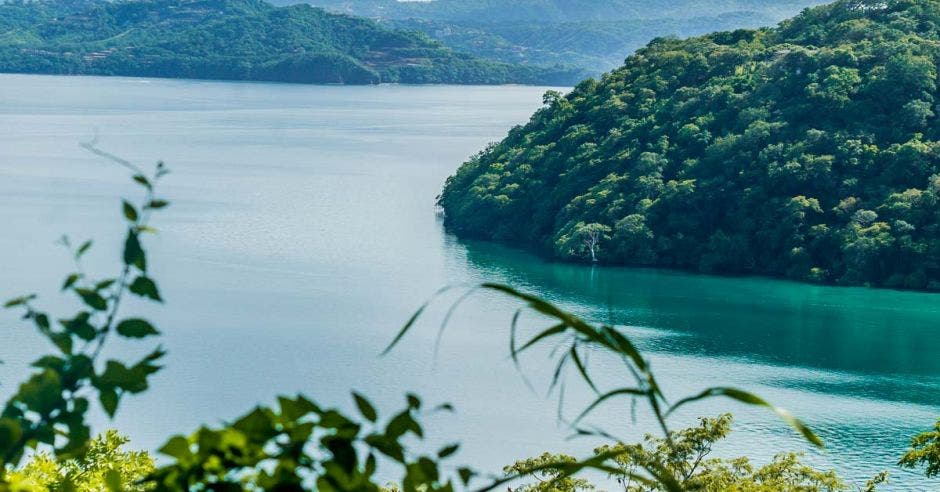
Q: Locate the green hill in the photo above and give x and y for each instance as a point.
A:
(594, 35)
(595, 46)
(234, 39)
(808, 151)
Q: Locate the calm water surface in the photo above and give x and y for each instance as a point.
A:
(303, 233)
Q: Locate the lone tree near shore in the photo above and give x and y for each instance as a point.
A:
(585, 240)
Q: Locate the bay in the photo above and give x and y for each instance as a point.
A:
(303, 233)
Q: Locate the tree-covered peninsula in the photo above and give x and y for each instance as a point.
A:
(809, 151)
(234, 40)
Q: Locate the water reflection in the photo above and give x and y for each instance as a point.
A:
(883, 341)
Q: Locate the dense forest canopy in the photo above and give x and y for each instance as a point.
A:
(233, 39)
(593, 35)
(808, 151)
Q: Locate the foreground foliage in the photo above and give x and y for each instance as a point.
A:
(50, 407)
(925, 451)
(809, 151)
(687, 456)
(105, 465)
(302, 446)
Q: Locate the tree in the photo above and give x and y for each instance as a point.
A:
(745, 152)
(634, 240)
(686, 454)
(591, 236)
(104, 465)
(585, 240)
(548, 479)
(925, 451)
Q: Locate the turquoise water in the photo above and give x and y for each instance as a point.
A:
(303, 233)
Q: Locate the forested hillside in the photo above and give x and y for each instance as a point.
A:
(808, 151)
(592, 35)
(594, 46)
(233, 39)
(501, 11)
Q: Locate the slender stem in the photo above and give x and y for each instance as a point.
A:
(126, 271)
(91, 146)
(116, 303)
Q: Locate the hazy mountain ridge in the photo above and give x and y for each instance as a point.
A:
(595, 35)
(234, 39)
(596, 46)
(501, 11)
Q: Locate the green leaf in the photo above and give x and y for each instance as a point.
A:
(42, 393)
(294, 409)
(257, 425)
(554, 330)
(109, 401)
(70, 281)
(387, 446)
(79, 326)
(49, 362)
(10, 434)
(130, 212)
(80, 367)
(400, 424)
(145, 287)
(136, 328)
(83, 249)
(92, 299)
(365, 408)
(428, 468)
(157, 204)
(112, 480)
(104, 284)
(118, 375)
(607, 396)
(414, 318)
(153, 356)
(133, 252)
(582, 368)
(465, 475)
(19, 301)
(177, 447)
(752, 399)
(63, 341)
(448, 450)
(42, 321)
(143, 181)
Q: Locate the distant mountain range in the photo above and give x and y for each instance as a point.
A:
(594, 35)
(237, 40)
(502, 11)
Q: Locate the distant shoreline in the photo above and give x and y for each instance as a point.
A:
(254, 81)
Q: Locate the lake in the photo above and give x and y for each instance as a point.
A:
(303, 234)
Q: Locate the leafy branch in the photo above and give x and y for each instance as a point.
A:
(50, 407)
(578, 337)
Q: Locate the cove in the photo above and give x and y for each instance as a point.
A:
(303, 234)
